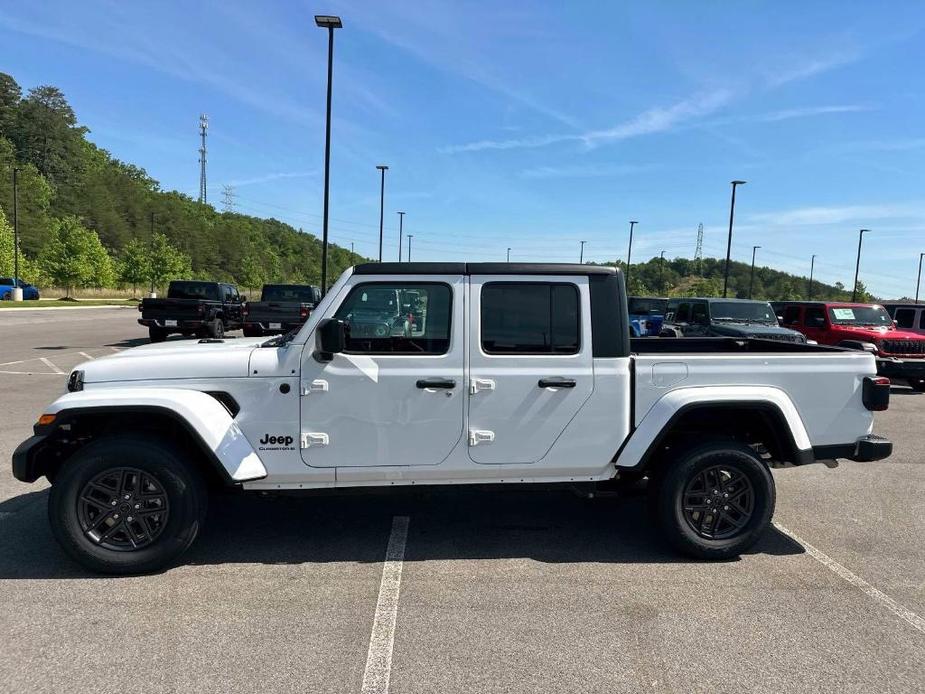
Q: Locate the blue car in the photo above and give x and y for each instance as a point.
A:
(646, 315)
(6, 289)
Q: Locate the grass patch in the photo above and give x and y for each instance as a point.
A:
(48, 303)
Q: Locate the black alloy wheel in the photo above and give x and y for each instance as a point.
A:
(718, 502)
(123, 509)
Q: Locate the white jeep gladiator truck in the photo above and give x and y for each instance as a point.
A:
(484, 373)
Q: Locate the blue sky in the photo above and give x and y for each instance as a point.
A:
(532, 125)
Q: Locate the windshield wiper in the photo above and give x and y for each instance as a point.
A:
(281, 340)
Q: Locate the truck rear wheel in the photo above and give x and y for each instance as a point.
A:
(157, 334)
(216, 329)
(716, 501)
(917, 384)
(126, 505)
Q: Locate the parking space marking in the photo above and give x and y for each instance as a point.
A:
(84, 354)
(855, 580)
(47, 362)
(382, 638)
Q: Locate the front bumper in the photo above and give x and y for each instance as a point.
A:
(902, 369)
(26, 465)
(866, 449)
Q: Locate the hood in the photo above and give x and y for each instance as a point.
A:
(751, 329)
(871, 333)
(174, 359)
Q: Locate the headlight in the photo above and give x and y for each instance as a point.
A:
(75, 381)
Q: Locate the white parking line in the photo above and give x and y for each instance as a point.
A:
(382, 638)
(87, 356)
(884, 599)
(51, 366)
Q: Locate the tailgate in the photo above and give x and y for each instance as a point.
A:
(159, 309)
(274, 312)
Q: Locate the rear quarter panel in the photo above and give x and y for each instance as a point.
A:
(825, 389)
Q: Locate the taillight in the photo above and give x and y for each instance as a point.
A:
(303, 312)
(201, 309)
(140, 308)
(876, 393)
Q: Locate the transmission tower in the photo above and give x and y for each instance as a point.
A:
(698, 253)
(203, 125)
(228, 198)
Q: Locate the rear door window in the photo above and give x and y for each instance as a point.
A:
(699, 313)
(791, 315)
(530, 318)
(684, 313)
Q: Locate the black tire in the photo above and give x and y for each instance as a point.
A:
(917, 384)
(164, 469)
(717, 527)
(157, 334)
(253, 332)
(7, 296)
(669, 332)
(216, 329)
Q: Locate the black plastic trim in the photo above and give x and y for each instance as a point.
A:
(865, 450)
(610, 331)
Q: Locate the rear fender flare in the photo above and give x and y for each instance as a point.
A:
(657, 422)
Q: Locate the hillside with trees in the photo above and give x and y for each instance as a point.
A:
(87, 219)
(685, 277)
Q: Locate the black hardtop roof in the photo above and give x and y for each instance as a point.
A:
(902, 304)
(288, 284)
(826, 303)
(202, 282)
(482, 269)
(713, 299)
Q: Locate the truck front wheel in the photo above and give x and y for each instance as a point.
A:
(126, 505)
(157, 334)
(716, 501)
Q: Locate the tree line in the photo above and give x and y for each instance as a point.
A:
(87, 219)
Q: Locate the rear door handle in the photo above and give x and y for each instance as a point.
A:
(446, 383)
(556, 383)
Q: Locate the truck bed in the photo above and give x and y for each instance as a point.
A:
(724, 345)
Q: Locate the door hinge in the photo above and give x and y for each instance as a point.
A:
(319, 385)
(315, 439)
(477, 384)
(477, 436)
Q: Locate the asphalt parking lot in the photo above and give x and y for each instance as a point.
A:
(500, 591)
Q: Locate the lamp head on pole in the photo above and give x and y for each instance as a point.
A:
(738, 183)
(382, 167)
(326, 21)
(864, 231)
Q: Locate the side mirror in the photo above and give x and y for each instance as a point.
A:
(330, 338)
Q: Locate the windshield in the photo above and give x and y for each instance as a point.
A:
(860, 315)
(641, 306)
(194, 290)
(744, 311)
(288, 292)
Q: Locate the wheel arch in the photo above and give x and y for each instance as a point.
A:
(772, 422)
(198, 422)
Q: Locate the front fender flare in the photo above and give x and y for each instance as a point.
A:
(675, 403)
(204, 416)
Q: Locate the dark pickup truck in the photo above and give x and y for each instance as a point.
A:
(281, 308)
(206, 309)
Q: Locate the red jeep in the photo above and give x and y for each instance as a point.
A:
(900, 353)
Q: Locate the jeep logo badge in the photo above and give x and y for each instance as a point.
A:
(281, 440)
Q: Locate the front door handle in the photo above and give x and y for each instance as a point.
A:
(556, 383)
(446, 383)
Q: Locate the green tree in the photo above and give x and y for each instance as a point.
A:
(134, 264)
(167, 262)
(74, 257)
(10, 96)
(27, 269)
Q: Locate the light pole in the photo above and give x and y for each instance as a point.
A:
(629, 254)
(812, 266)
(508, 254)
(661, 271)
(581, 255)
(330, 23)
(382, 169)
(751, 281)
(410, 236)
(351, 250)
(16, 294)
(152, 254)
(857, 266)
(918, 277)
(401, 224)
(732, 210)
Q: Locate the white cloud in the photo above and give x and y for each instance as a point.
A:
(266, 178)
(788, 114)
(837, 215)
(809, 67)
(654, 120)
(586, 171)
